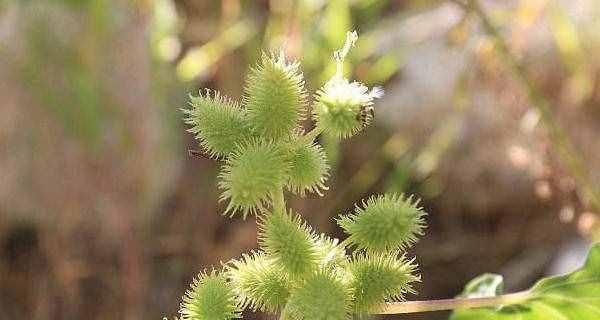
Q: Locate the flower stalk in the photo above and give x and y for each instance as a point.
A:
(456, 303)
(279, 201)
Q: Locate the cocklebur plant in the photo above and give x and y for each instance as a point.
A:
(297, 272)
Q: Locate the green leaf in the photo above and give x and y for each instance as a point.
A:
(485, 285)
(575, 296)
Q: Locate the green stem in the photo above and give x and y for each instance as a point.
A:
(279, 201)
(557, 135)
(457, 303)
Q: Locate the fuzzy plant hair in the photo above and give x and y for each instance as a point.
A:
(296, 271)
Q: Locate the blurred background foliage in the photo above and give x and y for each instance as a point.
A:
(103, 214)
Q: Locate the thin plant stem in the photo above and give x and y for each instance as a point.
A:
(279, 200)
(558, 136)
(457, 303)
(312, 134)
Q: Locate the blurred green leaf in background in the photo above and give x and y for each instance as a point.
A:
(574, 296)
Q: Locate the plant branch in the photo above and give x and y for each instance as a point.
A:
(202, 155)
(279, 201)
(312, 134)
(557, 135)
(457, 303)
